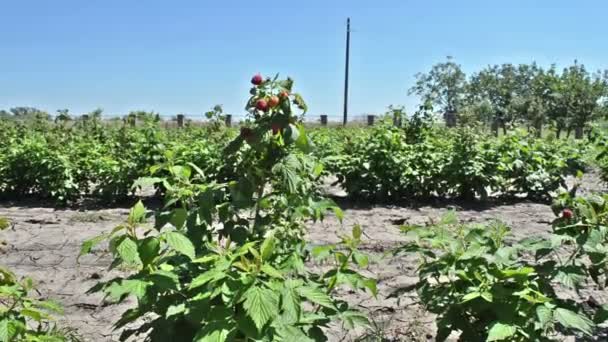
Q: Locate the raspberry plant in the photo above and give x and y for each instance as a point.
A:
(226, 260)
(486, 289)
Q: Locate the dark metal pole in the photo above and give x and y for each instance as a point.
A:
(346, 71)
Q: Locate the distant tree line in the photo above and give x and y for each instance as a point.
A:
(508, 95)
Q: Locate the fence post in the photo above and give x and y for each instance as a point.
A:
(228, 120)
(370, 120)
(396, 120)
(450, 119)
(180, 120)
(578, 133)
(323, 119)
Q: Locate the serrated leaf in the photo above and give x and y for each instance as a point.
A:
(290, 302)
(322, 252)
(361, 259)
(291, 333)
(316, 295)
(570, 276)
(175, 310)
(127, 287)
(354, 319)
(573, 320)
(211, 275)
(267, 247)
(544, 315)
(180, 243)
(137, 213)
(88, 245)
(8, 330)
(271, 271)
(215, 331)
(500, 331)
(261, 305)
(127, 249)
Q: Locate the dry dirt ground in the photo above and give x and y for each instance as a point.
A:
(44, 244)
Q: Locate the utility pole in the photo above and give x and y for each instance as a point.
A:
(346, 72)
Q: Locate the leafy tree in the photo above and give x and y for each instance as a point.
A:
(444, 86)
(26, 113)
(578, 98)
(497, 85)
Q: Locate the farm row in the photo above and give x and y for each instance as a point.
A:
(227, 256)
(384, 163)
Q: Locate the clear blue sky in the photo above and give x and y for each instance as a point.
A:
(186, 56)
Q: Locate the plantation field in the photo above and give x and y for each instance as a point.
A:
(275, 231)
(44, 243)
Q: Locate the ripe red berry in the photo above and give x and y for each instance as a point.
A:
(284, 94)
(261, 105)
(257, 79)
(273, 101)
(567, 213)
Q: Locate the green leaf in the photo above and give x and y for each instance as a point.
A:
(34, 314)
(338, 212)
(291, 333)
(487, 296)
(175, 310)
(316, 295)
(88, 245)
(267, 247)
(299, 101)
(212, 275)
(601, 315)
(180, 243)
(500, 331)
(8, 330)
(261, 304)
(570, 276)
(573, 320)
(371, 285)
(544, 314)
(361, 259)
(127, 249)
(127, 287)
(322, 252)
(290, 302)
(137, 213)
(470, 296)
(178, 218)
(148, 249)
(271, 271)
(354, 319)
(215, 331)
(301, 139)
(357, 231)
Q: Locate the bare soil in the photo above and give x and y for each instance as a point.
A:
(44, 244)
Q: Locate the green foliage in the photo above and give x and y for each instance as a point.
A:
(24, 318)
(485, 288)
(390, 163)
(225, 259)
(90, 158)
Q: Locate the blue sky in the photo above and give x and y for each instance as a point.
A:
(186, 56)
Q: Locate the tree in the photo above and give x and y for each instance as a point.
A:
(497, 85)
(578, 98)
(444, 86)
(29, 113)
